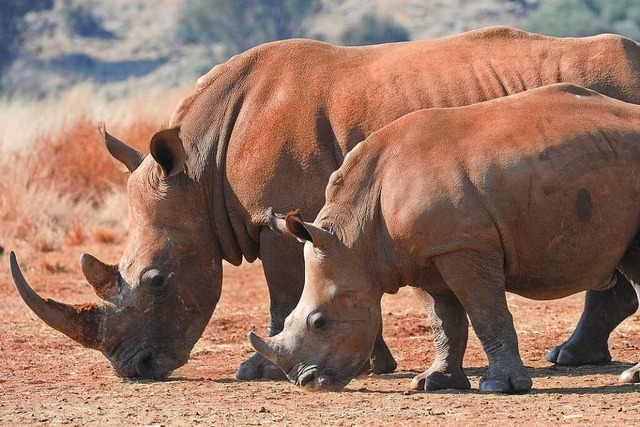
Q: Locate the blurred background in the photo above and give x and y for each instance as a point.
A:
(124, 46)
(65, 65)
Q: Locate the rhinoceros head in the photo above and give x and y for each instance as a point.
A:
(157, 301)
(330, 334)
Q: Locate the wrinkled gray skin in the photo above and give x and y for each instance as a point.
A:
(535, 194)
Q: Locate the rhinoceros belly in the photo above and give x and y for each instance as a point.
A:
(566, 229)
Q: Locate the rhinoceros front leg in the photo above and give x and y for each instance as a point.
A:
(477, 279)
(381, 360)
(603, 311)
(450, 332)
(283, 264)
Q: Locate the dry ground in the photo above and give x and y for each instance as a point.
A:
(46, 378)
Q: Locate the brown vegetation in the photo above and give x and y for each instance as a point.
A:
(60, 185)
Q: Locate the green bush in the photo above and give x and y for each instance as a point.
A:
(586, 17)
(241, 24)
(373, 29)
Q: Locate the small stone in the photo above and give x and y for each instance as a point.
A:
(263, 410)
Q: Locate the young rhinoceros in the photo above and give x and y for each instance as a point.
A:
(536, 194)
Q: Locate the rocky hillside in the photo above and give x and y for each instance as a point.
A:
(125, 46)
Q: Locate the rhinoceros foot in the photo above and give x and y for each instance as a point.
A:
(603, 311)
(257, 367)
(433, 380)
(382, 361)
(505, 380)
(572, 353)
(631, 375)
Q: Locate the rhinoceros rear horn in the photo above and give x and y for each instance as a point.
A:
(82, 322)
(262, 347)
(103, 277)
(125, 154)
(272, 350)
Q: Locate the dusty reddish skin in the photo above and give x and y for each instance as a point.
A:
(266, 129)
(535, 194)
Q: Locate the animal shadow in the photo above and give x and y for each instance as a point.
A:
(551, 371)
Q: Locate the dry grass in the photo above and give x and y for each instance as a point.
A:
(60, 186)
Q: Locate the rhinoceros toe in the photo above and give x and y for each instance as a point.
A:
(631, 375)
(246, 372)
(272, 372)
(510, 384)
(570, 354)
(495, 386)
(382, 361)
(436, 380)
(257, 367)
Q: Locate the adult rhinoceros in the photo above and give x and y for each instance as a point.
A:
(267, 128)
(536, 194)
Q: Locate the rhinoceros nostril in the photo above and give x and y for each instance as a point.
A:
(306, 377)
(145, 366)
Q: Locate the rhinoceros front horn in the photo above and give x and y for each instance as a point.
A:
(81, 322)
(103, 277)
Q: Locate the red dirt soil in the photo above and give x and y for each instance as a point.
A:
(47, 378)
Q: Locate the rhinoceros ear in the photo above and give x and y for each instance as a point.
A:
(307, 232)
(168, 151)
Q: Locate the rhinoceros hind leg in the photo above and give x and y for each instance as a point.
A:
(631, 375)
(603, 311)
(257, 367)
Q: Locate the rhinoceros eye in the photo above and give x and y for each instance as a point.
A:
(157, 281)
(153, 279)
(316, 321)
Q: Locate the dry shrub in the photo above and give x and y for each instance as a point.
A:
(48, 213)
(53, 267)
(63, 187)
(104, 235)
(76, 162)
(75, 234)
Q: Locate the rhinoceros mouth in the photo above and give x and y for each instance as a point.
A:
(314, 378)
(301, 375)
(146, 363)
